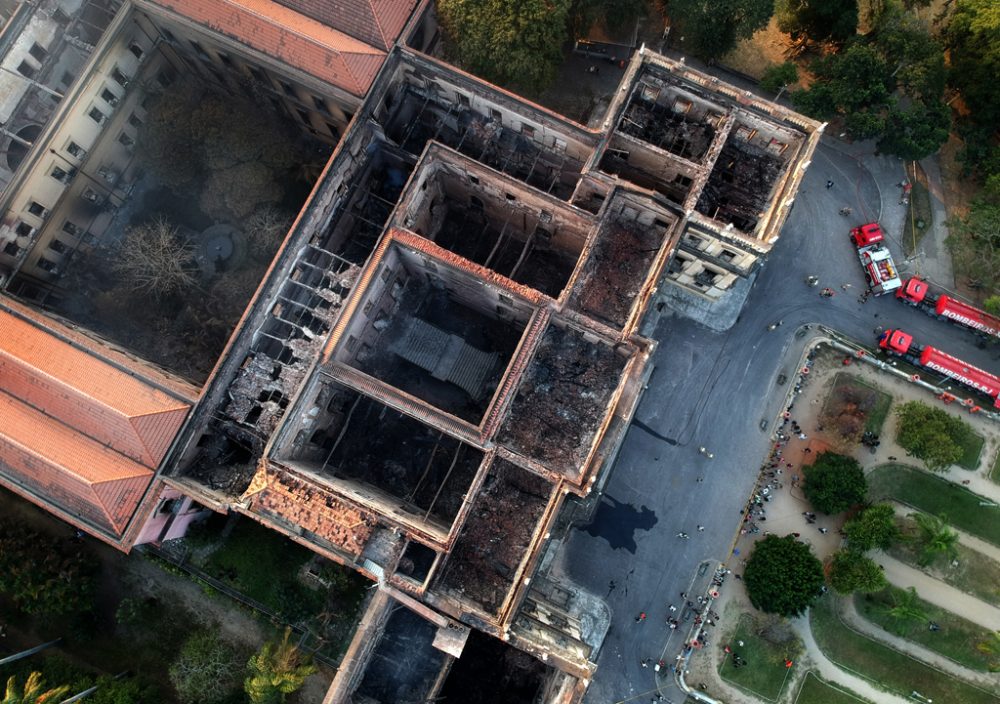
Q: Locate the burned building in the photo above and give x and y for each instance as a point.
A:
(445, 353)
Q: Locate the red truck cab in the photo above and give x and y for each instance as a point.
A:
(914, 290)
(866, 235)
(895, 341)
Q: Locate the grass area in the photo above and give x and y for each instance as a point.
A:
(995, 470)
(817, 691)
(972, 448)
(765, 671)
(884, 666)
(919, 218)
(957, 638)
(935, 495)
(975, 574)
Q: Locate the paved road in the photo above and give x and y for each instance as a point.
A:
(712, 389)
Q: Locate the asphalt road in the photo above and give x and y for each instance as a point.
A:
(712, 390)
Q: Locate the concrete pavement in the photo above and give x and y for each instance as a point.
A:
(713, 389)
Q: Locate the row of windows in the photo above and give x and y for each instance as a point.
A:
(259, 75)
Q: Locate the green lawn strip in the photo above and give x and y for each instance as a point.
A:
(935, 495)
(817, 691)
(972, 448)
(919, 214)
(956, 640)
(765, 671)
(975, 574)
(264, 565)
(884, 666)
(995, 472)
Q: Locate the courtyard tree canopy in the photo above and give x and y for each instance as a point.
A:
(206, 669)
(874, 527)
(783, 576)
(711, 29)
(818, 20)
(931, 434)
(851, 572)
(834, 483)
(515, 43)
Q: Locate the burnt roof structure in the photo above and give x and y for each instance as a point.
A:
(446, 349)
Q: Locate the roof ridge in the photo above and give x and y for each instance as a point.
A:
(291, 30)
(378, 25)
(153, 461)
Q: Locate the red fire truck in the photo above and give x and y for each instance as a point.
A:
(875, 259)
(917, 293)
(898, 343)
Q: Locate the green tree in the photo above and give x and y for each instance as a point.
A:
(34, 691)
(992, 305)
(42, 575)
(276, 671)
(711, 29)
(917, 131)
(206, 670)
(905, 608)
(851, 572)
(974, 240)
(782, 576)
(852, 81)
(935, 538)
(874, 527)
(616, 14)
(515, 43)
(777, 77)
(973, 38)
(818, 20)
(834, 483)
(931, 434)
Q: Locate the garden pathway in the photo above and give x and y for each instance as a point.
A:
(850, 616)
(969, 541)
(831, 672)
(940, 594)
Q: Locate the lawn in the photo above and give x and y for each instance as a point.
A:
(975, 574)
(884, 666)
(919, 218)
(963, 509)
(995, 471)
(972, 448)
(765, 671)
(817, 691)
(956, 640)
(264, 565)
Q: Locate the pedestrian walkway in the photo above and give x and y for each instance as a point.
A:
(849, 615)
(832, 672)
(970, 541)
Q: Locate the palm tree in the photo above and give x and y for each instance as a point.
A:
(905, 608)
(936, 538)
(34, 692)
(278, 669)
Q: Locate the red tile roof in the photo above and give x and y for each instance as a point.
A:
(299, 41)
(82, 428)
(375, 22)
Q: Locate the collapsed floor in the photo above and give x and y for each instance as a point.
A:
(667, 128)
(404, 457)
(617, 269)
(405, 664)
(739, 188)
(514, 677)
(496, 535)
(407, 350)
(420, 118)
(562, 400)
(522, 257)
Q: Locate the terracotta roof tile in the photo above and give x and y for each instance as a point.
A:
(85, 392)
(63, 467)
(375, 22)
(311, 507)
(299, 41)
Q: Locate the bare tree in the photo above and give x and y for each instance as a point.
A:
(154, 258)
(265, 228)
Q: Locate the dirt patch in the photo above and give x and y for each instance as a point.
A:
(766, 47)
